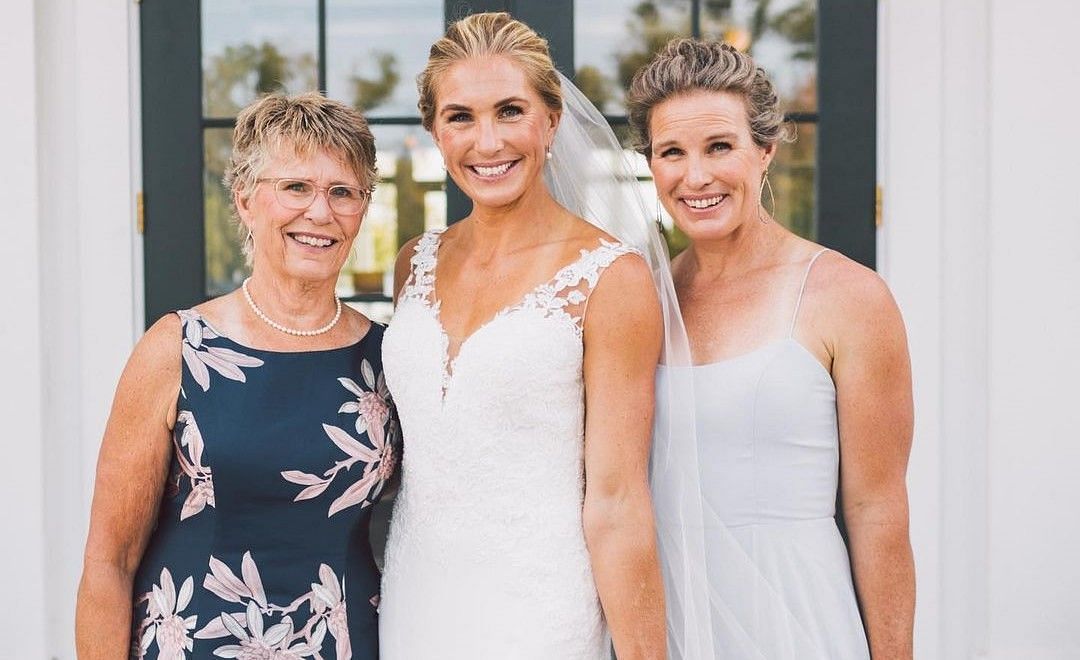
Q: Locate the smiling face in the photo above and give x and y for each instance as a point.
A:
(493, 130)
(707, 168)
(309, 244)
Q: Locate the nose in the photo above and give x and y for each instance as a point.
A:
(319, 211)
(697, 175)
(488, 141)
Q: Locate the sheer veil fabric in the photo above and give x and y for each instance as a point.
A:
(719, 605)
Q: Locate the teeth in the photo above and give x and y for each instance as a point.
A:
(311, 240)
(492, 171)
(703, 203)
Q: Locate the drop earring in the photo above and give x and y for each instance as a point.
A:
(761, 191)
(548, 154)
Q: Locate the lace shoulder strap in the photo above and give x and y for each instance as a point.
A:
(421, 282)
(567, 294)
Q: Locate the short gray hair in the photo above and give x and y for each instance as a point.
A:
(304, 123)
(690, 65)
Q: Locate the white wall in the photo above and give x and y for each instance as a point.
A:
(981, 244)
(71, 300)
(23, 568)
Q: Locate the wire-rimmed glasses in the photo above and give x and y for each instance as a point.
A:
(298, 194)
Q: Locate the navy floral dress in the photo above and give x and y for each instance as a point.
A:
(261, 546)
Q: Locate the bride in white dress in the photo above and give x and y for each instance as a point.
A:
(521, 359)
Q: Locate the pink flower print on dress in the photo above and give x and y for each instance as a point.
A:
(164, 624)
(189, 454)
(254, 637)
(373, 410)
(198, 358)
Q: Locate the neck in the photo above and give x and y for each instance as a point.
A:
(743, 250)
(295, 303)
(498, 230)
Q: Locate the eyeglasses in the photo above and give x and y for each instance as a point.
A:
(298, 194)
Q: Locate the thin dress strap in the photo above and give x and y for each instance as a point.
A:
(802, 288)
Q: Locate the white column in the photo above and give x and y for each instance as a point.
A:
(87, 273)
(24, 566)
(910, 258)
(1034, 320)
(981, 244)
(965, 271)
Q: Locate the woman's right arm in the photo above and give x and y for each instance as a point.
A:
(131, 472)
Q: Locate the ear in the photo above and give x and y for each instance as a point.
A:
(554, 117)
(767, 155)
(243, 209)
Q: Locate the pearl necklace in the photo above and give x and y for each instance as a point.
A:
(290, 331)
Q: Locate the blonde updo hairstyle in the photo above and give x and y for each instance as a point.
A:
(486, 35)
(299, 125)
(690, 65)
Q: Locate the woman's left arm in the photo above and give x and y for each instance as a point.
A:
(872, 372)
(623, 334)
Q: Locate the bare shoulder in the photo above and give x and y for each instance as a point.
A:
(405, 254)
(851, 304)
(625, 290)
(159, 347)
(151, 378)
(403, 263)
(850, 288)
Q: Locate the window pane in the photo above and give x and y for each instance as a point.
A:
(225, 268)
(409, 198)
(614, 38)
(780, 34)
(376, 48)
(252, 48)
(793, 177)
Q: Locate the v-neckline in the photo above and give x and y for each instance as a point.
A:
(435, 305)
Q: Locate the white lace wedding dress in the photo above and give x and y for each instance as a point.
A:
(486, 557)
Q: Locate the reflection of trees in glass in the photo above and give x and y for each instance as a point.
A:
(224, 264)
(410, 198)
(796, 24)
(239, 74)
(369, 93)
(594, 85)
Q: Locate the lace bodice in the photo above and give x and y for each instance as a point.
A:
(486, 548)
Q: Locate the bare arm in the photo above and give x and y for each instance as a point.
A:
(131, 472)
(872, 372)
(623, 334)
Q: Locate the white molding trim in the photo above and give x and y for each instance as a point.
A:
(965, 268)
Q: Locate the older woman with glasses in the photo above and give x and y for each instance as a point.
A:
(251, 434)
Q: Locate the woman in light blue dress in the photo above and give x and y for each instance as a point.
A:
(800, 366)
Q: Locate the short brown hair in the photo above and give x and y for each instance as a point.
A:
(489, 34)
(689, 65)
(304, 124)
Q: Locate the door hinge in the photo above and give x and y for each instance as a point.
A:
(878, 194)
(140, 214)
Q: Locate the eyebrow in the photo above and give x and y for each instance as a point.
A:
(457, 107)
(711, 138)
